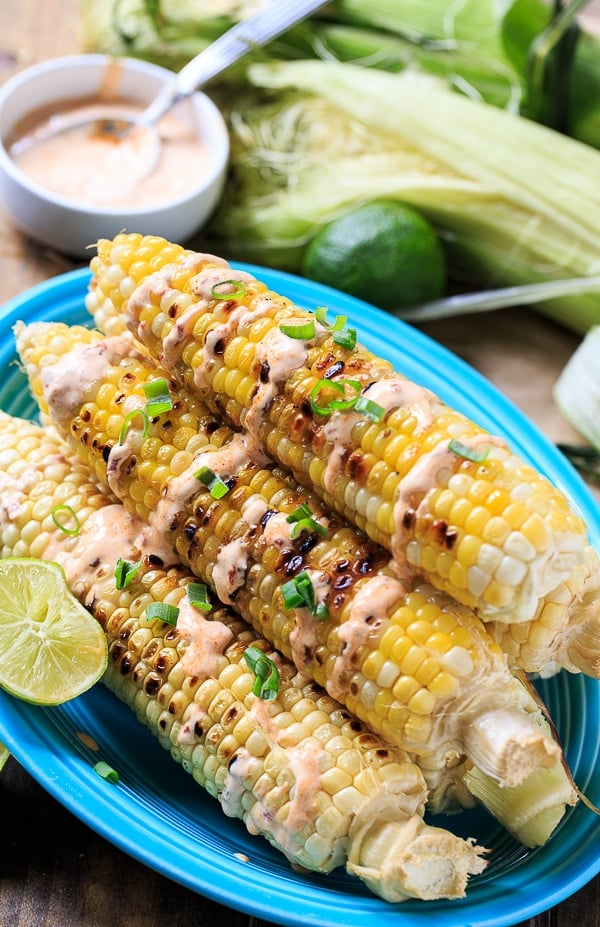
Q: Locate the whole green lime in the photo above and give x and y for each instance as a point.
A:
(384, 252)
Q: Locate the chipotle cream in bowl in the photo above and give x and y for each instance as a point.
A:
(66, 190)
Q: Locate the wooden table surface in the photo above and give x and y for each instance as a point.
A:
(54, 871)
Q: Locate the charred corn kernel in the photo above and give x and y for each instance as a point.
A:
(249, 557)
(262, 381)
(298, 781)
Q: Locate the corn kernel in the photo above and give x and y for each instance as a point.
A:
(405, 688)
(443, 684)
(422, 702)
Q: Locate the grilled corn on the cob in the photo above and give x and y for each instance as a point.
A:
(418, 668)
(296, 768)
(451, 502)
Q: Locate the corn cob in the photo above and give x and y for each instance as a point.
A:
(416, 667)
(451, 502)
(298, 769)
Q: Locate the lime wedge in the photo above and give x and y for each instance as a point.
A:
(51, 648)
(4, 755)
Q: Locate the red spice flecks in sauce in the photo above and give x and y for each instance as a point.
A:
(229, 572)
(277, 356)
(277, 531)
(226, 462)
(370, 606)
(158, 286)
(389, 393)
(13, 497)
(193, 719)
(65, 383)
(206, 640)
(431, 469)
(397, 392)
(338, 432)
(254, 510)
(304, 637)
(303, 760)
(107, 535)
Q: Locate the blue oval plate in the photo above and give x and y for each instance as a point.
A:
(158, 814)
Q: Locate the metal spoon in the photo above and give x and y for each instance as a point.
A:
(250, 33)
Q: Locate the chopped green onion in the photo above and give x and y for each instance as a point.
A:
(307, 524)
(321, 316)
(340, 323)
(266, 684)
(346, 338)
(162, 612)
(291, 595)
(57, 511)
(239, 289)
(127, 421)
(301, 511)
(303, 520)
(469, 453)
(334, 404)
(215, 485)
(300, 593)
(158, 397)
(368, 408)
(198, 596)
(125, 572)
(106, 772)
(303, 332)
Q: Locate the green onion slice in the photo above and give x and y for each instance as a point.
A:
(160, 611)
(198, 596)
(303, 331)
(158, 398)
(469, 453)
(346, 338)
(125, 572)
(215, 485)
(106, 772)
(339, 386)
(340, 323)
(300, 593)
(57, 512)
(127, 421)
(321, 316)
(371, 410)
(238, 289)
(303, 520)
(266, 684)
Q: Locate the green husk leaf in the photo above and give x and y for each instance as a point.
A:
(577, 394)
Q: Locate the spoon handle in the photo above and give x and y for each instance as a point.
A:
(253, 32)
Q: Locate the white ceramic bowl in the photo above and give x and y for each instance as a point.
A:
(68, 226)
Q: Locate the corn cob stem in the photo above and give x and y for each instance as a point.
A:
(297, 769)
(470, 517)
(416, 667)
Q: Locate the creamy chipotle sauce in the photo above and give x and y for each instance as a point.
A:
(100, 167)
